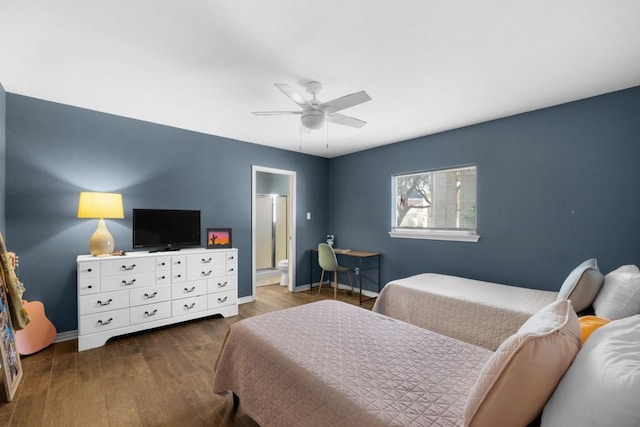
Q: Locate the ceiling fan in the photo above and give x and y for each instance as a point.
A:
(314, 113)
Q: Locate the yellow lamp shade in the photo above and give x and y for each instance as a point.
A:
(100, 205)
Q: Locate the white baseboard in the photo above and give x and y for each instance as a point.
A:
(244, 300)
(66, 336)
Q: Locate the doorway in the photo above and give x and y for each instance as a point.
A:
(271, 233)
(273, 225)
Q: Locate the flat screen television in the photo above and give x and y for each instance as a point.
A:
(165, 229)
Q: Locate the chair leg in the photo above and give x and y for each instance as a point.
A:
(335, 284)
(321, 280)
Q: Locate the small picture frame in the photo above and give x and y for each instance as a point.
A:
(218, 238)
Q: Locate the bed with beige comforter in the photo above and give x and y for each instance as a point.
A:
(481, 313)
(330, 363)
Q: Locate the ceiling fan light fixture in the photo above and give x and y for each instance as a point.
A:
(313, 119)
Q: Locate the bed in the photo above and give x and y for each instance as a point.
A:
(477, 312)
(330, 363)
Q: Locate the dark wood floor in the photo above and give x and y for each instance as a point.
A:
(156, 378)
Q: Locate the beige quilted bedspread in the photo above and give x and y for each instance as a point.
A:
(332, 364)
(480, 313)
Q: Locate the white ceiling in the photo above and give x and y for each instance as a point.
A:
(430, 66)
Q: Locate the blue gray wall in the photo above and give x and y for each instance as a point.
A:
(555, 187)
(3, 152)
(55, 151)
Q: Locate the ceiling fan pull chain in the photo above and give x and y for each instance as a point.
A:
(327, 126)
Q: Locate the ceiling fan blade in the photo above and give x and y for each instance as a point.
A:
(291, 93)
(275, 113)
(341, 119)
(345, 102)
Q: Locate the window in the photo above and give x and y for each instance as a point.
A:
(438, 204)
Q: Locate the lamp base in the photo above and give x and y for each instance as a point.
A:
(101, 242)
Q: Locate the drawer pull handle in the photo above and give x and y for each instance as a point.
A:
(187, 291)
(222, 299)
(101, 323)
(162, 277)
(150, 296)
(89, 270)
(231, 269)
(178, 275)
(222, 285)
(205, 261)
(178, 262)
(205, 274)
(190, 306)
(105, 303)
(90, 287)
(125, 283)
(131, 267)
(146, 313)
(232, 257)
(162, 264)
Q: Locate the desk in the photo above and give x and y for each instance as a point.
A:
(362, 257)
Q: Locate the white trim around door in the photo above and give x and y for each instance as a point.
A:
(291, 214)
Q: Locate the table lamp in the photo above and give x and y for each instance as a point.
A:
(101, 206)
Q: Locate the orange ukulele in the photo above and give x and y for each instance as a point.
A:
(40, 332)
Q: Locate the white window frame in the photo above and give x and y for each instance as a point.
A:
(430, 233)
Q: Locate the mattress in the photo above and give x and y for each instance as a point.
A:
(480, 313)
(332, 364)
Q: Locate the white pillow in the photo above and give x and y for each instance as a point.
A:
(582, 285)
(520, 376)
(602, 386)
(620, 294)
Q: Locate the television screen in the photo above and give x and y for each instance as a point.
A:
(165, 229)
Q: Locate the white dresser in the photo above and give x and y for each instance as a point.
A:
(122, 294)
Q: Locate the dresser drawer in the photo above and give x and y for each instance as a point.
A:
(222, 284)
(150, 312)
(97, 303)
(222, 299)
(149, 295)
(88, 269)
(163, 277)
(131, 265)
(189, 305)
(205, 271)
(231, 269)
(88, 285)
(206, 259)
(231, 257)
(188, 289)
(163, 263)
(93, 323)
(178, 261)
(127, 281)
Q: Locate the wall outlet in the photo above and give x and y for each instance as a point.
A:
(357, 271)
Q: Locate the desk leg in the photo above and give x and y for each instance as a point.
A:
(360, 280)
(362, 274)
